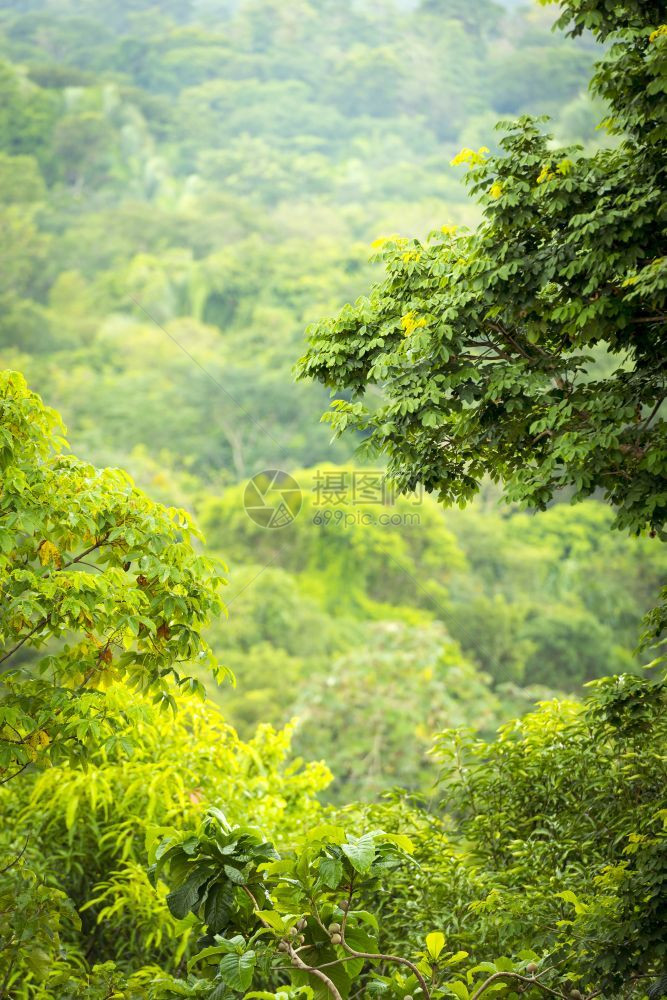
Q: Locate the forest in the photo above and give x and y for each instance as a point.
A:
(333, 481)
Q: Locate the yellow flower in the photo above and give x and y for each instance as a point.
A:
(545, 174)
(410, 323)
(382, 241)
(36, 742)
(496, 189)
(658, 33)
(448, 230)
(49, 555)
(470, 156)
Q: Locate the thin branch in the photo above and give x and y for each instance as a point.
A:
(339, 961)
(526, 980)
(43, 621)
(322, 976)
(384, 958)
(644, 423)
(254, 903)
(98, 544)
(3, 781)
(16, 860)
(40, 624)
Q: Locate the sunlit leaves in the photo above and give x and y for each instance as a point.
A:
(96, 576)
(435, 942)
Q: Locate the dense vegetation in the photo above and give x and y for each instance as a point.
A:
(185, 187)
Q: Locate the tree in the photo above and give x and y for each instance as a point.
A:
(555, 854)
(83, 835)
(484, 343)
(355, 715)
(567, 807)
(97, 584)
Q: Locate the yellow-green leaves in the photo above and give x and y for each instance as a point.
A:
(104, 578)
(470, 157)
(435, 942)
(411, 322)
(459, 989)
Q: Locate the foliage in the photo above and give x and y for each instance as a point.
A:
(298, 132)
(85, 834)
(568, 805)
(551, 601)
(225, 168)
(141, 133)
(481, 342)
(557, 826)
(105, 575)
(355, 715)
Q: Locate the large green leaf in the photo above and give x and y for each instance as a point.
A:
(217, 910)
(237, 970)
(435, 942)
(331, 872)
(183, 899)
(459, 989)
(360, 852)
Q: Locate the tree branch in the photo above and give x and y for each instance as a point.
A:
(16, 860)
(526, 980)
(43, 621)
(322, 976)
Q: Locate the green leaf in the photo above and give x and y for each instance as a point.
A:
(360, 852)
(459, 989)
(217, 910)
(234, 875)
(326, 833)
(435, 942)
(237, 970)
(184, 899)
(459, 956)
(330, 872)
(273, 919)
(70, 812)
(400, 840)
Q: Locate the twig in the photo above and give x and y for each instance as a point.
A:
(18, 857)
(644, 423)
(43, 621)
(40, 624)
(3, 781)
(382, 958)
(322, 976)
(526, 980)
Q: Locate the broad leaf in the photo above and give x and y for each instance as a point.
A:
(237, 970)
(360, 852)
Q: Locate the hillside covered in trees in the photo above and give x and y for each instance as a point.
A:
(186, 188)
(340, 677)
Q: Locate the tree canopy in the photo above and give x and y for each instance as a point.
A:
(107, 578)
(531, 350)
(185, 185)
